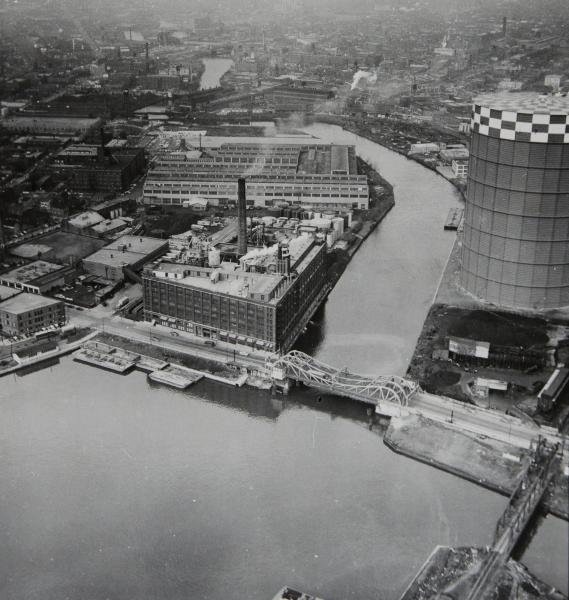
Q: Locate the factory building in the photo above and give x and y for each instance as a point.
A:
(27, 313)
(126, 254)
(74, 127)
(98, 168)
(264, 301)
(260, 303)
(322, 176)
(515, 250)
(38, 277)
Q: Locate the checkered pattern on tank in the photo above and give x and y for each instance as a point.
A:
(521, 126)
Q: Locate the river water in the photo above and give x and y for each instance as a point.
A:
(112, 487)
(215, 68)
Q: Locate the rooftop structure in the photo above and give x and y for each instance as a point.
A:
(516, 229)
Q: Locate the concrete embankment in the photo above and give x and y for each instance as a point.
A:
(494, 465)
(61, 350)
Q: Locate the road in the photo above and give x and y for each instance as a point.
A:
(166, 338)
(480, 421)
(466, 417)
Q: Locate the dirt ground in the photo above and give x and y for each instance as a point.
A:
(437, 374)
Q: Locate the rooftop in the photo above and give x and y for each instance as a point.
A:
(127, 250)
(86, 219)
(25, 302)
(7, 292)
(531, 102)
(29, 273)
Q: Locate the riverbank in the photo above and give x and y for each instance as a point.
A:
(376, 136)
(456, 569)
(497, 466)
(38, 353)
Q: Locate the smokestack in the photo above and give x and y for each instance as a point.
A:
(505, 26)
(241, 218)
(101, 147)
(147, 65)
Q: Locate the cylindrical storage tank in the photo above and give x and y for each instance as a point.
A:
(515, 250)
(338, 225)
(214, 257)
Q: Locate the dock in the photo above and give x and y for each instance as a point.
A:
(103, 360)
(177, 377)
(454, 219)
(288, 593)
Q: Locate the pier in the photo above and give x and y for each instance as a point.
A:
(476, 573)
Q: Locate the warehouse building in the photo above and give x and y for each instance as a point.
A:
(126, 254)
(98, 168)
(263, 302)
(322, 176)
(515, 250)
(38, 277)
(27, 313)
(75, 127)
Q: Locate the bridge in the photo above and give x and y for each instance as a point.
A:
(521, 505)
(391, 392)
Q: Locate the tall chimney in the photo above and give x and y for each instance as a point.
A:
(241, 218)
(146, 59)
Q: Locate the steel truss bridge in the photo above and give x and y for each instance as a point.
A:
(371, 390)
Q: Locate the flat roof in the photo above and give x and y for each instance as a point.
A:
(29, 273)
(25, 302)
(30, 250)
(86, 219)
(7, 292)
(127, 250)
(530, 102)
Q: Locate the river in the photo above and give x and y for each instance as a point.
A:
(215, 68)
(112, 487)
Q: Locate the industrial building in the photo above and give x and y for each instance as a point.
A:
(264, 301)
(26, 313)
(515, 250)
(297, 97)
(75, 127)
(38, 277)
(126, 254)
(322, 176)
(99, 168)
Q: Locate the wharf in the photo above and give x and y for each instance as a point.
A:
(61, 350)
(288, 593)
(178, 377)
(103, 360)
(454, 218)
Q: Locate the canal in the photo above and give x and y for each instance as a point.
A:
(215, 68)
(112, 487)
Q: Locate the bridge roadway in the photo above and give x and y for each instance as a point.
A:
(395, 396)
(522, 504)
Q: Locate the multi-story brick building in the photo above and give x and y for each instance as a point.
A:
(264, 302)
(27, 313)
